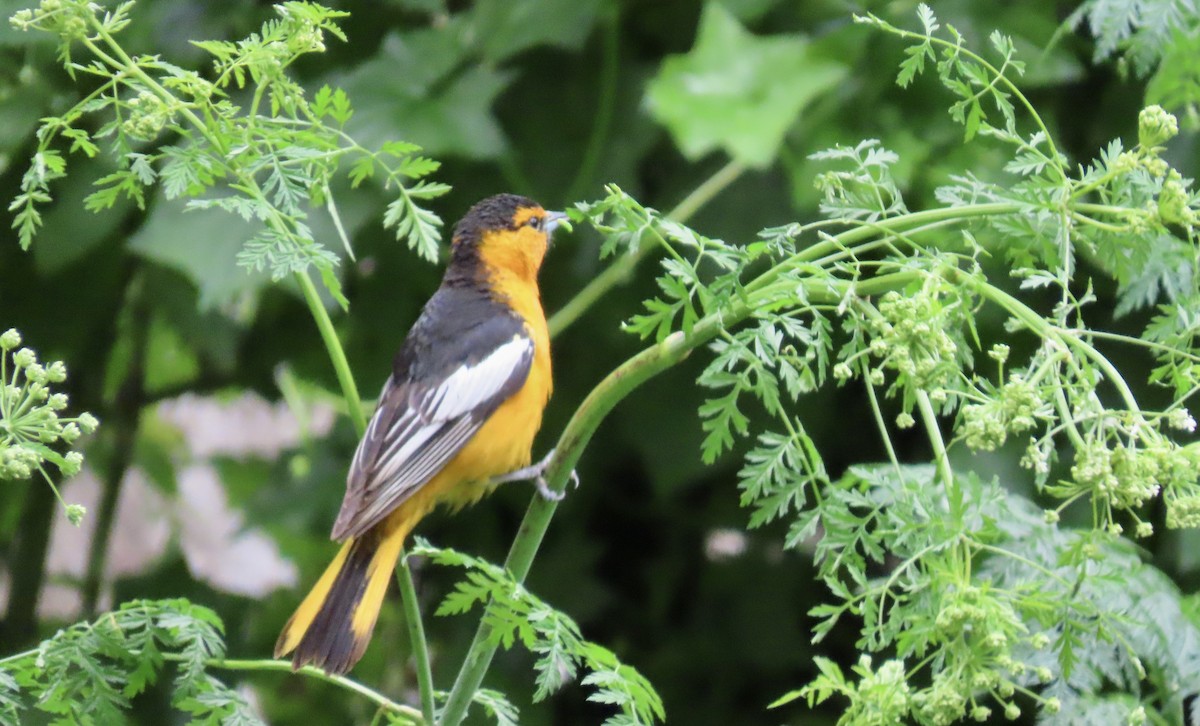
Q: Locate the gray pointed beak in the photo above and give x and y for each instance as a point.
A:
(554, 219)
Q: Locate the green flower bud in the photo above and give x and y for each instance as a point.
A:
(1156, 166)
(1181, 420)
(10, 339)
(72, 463)
(70, 433)
(75, 27)
(1137, 717)
(1044, 674)
(1053, 705)
(1144, 529)
(1126, 162)
(17, 469)
(1173, 202)
(842, 372)
(36, 373)
(1012, 712)
(981, 713)
(25, 358)
(1156, 126)
(22, 19)
(87, 422)
(56, 372)
(905, 421)
(57, 401)
(75, 513)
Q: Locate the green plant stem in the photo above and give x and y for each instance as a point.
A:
(879, 422)
(121, 61)
(416, 636)
(575, 437)
(341, 681)
(337, 355)
(929, 417)
(619, 271)
(408, 589)
(1045, 329)
(583, 424)
(902, 223)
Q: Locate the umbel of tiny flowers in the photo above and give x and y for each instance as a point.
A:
(32, 422)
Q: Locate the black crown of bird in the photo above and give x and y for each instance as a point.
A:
(457, 415)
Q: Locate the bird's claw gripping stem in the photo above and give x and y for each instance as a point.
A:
(537, 473)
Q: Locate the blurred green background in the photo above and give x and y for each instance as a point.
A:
(546, 98)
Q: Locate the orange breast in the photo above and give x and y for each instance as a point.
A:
(505, 442)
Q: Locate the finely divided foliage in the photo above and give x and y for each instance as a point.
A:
(88, 672)
(970, 601)
(513, 615)
(249, 141)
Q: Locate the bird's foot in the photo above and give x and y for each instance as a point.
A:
(537, 473)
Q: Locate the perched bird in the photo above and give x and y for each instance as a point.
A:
(457, 415)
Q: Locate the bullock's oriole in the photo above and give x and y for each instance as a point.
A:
(460, 410)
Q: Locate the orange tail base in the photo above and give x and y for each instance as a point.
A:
(333, 625)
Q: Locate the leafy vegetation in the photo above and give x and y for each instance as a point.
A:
(956, 395)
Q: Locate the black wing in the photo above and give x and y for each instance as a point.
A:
(465, 356)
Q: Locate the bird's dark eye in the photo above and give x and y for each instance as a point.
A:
(535, 222)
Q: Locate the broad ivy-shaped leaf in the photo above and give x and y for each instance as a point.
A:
(737, 91)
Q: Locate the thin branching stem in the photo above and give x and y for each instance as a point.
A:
(341, 681)
(620, 271)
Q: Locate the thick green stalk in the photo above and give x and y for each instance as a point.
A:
(892, 225)
(610, 391)
(929, 418)
(575, 437)
(1044, 329)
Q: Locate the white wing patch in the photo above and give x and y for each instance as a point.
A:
(409, 440)
(471, 385)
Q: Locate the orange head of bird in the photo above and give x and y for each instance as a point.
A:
(506, 233)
